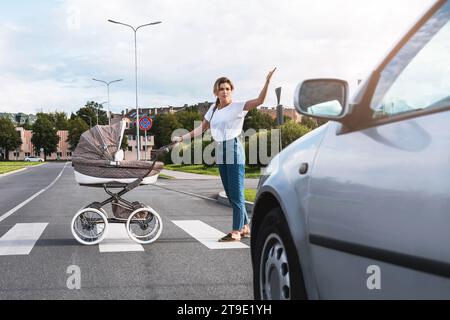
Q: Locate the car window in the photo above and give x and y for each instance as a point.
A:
(419, 76)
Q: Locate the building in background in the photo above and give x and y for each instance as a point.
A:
(131, 151)
(288, 112)
(27, 149)
(19, 119)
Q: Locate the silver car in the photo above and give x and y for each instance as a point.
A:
(360, 207)
(34, 159)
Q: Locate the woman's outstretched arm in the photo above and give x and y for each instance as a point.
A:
(252, 104)
(194, 133)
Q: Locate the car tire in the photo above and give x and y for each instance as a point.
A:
(276, 272)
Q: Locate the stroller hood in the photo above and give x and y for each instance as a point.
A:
(100, 142)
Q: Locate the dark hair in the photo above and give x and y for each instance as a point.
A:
(220, 81)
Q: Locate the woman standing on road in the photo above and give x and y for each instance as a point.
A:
(226, 119)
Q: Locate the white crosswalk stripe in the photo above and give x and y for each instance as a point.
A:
(117, 240)
(21, 239)
(208, 235)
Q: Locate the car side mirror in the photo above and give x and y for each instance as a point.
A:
(322, 98)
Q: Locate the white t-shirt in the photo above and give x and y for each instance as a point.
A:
(227, 122)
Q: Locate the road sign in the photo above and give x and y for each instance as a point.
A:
(145, 123)
(280, 116)
(278, 93)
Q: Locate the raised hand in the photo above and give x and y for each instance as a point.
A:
(269, 76)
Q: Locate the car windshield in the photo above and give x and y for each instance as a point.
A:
(418, 77)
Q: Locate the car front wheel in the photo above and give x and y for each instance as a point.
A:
(276, 271)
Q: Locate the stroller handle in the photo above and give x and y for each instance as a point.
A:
(166, 148)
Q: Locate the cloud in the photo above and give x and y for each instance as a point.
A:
(198, 41)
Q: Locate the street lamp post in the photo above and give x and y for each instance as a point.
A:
(136, 75)
(107, 85)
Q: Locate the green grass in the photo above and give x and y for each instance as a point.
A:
(250, 172)
(250, 195)
(164, 176)
(9, 166)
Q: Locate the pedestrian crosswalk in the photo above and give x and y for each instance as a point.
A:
(22, 238)
(117, 240)
(208, 235)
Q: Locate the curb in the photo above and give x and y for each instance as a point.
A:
(12, 172)
(223, 199)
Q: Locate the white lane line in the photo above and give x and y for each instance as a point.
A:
(10, 212)
(207, 235)
(21, 239)
(184, 192)
(117, 240)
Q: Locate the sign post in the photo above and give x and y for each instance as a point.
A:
(145, 124)
(280, 118)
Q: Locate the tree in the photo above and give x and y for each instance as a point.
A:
(77, 127)
(60, 120)
(90, 110)
(167, 124)
(44, 136)
(9, 138)
(188, 117)
(163, 126)
(47, 116)
(257, 120)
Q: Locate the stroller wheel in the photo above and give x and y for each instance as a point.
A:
(89, 226)
(144, 225)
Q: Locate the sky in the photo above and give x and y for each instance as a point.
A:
(51, 49)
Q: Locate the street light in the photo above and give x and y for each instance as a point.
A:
(107, 85)
(136, 74)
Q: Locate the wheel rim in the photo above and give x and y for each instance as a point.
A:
(89, 226)
(144, 225)
(274, 270)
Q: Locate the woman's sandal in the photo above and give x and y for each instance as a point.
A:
(245, 234)
(229, 238)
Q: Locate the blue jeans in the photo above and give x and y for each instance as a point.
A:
(230, 157)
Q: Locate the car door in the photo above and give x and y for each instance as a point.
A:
(379, 203)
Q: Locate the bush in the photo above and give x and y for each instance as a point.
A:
(292, 131)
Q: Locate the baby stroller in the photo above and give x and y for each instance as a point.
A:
(98, 162)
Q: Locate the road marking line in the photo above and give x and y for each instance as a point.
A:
(117, 240)
(10, 212)
(21, 239)
(208, 235)
(184, 192)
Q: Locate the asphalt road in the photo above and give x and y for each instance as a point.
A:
(177, 266)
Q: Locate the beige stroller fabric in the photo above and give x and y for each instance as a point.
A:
(94, 155)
